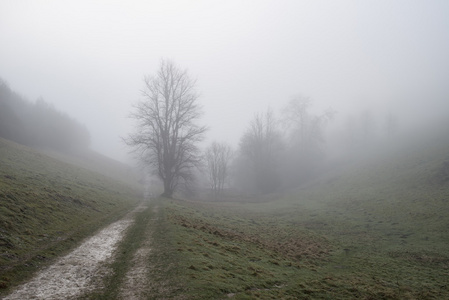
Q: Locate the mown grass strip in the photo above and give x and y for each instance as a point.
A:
(134, 237)
(165, 275)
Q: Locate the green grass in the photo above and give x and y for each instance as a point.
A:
(377, 230)
(135, 236)
(165, 279)
(47, 207)
(162, 278)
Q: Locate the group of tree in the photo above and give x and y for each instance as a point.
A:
(218, 157)
(256, 167)
(39, 124)
(284, 151)
(363, 132)
(276, 150)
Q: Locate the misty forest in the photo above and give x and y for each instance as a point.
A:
(256, 150)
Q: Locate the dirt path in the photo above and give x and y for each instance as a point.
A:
(135, 282)
(81, 270)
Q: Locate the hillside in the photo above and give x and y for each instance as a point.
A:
(47, 206)
(376, 229)
(39, 123)
(99, 163)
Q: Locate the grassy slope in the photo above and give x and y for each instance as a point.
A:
(375, 231)
(48, 206)
(98, 163)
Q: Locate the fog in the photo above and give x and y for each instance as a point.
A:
(89, 58)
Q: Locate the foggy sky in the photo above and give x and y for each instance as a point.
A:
(89, 58)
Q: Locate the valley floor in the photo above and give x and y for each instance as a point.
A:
(171, 249)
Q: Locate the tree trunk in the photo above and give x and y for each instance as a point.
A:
(168, 191)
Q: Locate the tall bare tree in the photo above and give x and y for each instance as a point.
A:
(167, 132)
(261, 146)
(306, 140)
(218, 157)
(306, 129)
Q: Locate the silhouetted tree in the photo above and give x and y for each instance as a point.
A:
(306, 129)
(305, 133)
(218, 157)
(261, 146)
(167, 134)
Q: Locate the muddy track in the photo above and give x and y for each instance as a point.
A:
(133, 287)
(79, 272)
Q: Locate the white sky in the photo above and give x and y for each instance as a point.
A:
(89, 58)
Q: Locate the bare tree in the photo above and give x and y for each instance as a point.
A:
(218, 156)
(167, 134)
(305, 139)
(306, 129)
(261, 145)
(296, 114)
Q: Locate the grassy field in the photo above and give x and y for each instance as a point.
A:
(378, 230)
(373, 230)
(47, 207)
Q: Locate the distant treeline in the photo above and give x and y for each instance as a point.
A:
(39, 124)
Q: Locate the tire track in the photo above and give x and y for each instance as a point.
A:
(137, 277)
